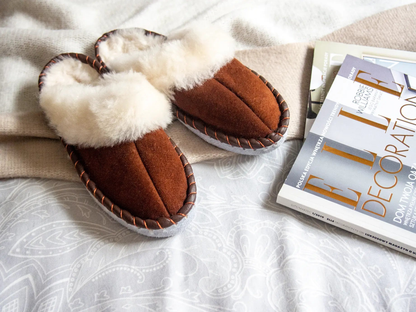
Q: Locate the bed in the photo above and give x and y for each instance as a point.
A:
(242, 252)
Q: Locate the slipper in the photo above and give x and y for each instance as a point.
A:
(213, 94)
(112, 128)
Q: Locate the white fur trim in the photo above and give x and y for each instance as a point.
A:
(91, 111)
(127, 41)
(186, 59)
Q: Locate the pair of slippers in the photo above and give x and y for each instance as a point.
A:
(111, 112)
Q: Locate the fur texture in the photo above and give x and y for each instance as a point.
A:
(91, 111)
(185, 60)
(127, 41)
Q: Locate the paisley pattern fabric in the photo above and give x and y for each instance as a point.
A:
(242, 252)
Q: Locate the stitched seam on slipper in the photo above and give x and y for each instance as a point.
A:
(276, 131)
(185, 163)
(241, 99)
(150, 177)
(220, 136)
(281, 103)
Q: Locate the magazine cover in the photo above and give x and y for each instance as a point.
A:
(327, 59)
(357, 167)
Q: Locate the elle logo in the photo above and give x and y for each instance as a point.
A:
(379, 193)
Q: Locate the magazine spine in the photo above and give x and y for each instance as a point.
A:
(347, 226)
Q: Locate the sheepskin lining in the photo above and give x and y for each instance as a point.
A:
(92, 111)
(185, 60)
(127, 41)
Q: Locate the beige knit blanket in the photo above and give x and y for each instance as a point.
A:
(29, 148)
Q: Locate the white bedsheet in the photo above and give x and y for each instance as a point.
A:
(242, 252)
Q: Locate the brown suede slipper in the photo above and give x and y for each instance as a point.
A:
(112, 128)
(213, 94)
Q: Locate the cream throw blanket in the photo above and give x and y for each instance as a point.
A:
(29, 148)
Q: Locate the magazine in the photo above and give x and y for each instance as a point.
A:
(357, 167)
(327, 59)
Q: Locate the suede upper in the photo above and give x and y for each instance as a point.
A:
(235, 102)
(145, 177)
